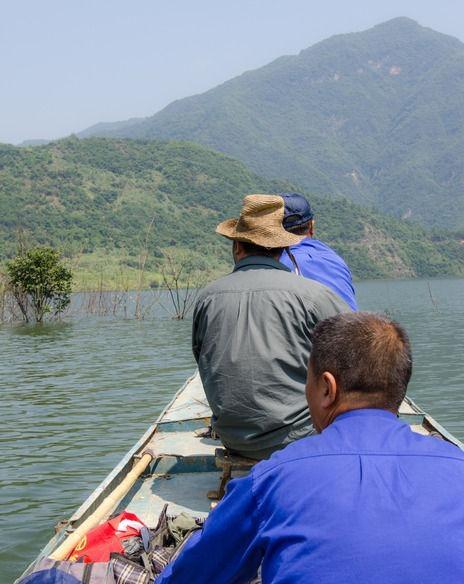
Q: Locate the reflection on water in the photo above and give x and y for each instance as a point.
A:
(52, 330)
(76, 396)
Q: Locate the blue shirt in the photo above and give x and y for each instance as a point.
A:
(366, 501)
(319, 262)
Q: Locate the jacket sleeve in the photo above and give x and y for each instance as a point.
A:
(227, 550)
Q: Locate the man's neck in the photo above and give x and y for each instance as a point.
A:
(242, 256)
(350, 406)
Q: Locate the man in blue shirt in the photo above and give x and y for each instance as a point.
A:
(314, 259)
(365, 501)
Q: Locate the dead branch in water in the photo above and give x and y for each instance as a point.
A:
(183, 280)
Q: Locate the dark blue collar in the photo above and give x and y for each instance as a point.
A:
(265, 262)
(366, 412)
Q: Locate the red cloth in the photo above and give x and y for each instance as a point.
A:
(104, 539)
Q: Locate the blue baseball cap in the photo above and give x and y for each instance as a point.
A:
(297, 210)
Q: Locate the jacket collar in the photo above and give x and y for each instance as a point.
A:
(265, 262)
(365, 412)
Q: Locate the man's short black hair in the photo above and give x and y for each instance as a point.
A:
(366, 353)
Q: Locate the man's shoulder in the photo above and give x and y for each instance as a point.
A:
(435, 447)
(221, 284)
(278, 287)
(313, 450)
(311, 447)
(316, 246)
(256, 280)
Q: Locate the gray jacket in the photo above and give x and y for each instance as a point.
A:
(251, 339)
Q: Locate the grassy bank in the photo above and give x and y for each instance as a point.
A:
(101, 270)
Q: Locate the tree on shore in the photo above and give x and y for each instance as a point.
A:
(40, 282)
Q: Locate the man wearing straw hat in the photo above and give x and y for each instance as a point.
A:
(252, 334)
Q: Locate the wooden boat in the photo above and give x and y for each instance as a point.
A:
(185, 467)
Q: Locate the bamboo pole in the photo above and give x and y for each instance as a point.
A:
(106, 506)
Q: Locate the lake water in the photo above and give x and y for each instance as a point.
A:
(76, 395)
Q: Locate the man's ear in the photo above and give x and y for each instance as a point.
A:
(238, 251)
(312, 227)
(235, 250)
(330, 390)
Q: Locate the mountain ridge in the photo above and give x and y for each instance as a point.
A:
(374, 116)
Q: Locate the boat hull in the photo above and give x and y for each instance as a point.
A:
(184, 468)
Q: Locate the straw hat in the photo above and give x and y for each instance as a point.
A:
(260, 222)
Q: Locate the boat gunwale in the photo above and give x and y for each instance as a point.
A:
(443, 432)
(121, 469)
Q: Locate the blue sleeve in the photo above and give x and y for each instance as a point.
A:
(227, 550)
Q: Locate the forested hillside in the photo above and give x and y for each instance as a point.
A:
(99, 196)
(376, 116)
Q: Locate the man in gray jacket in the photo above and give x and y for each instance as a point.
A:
(252, 334)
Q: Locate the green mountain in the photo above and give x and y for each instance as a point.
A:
(99, 195)
(375, 116)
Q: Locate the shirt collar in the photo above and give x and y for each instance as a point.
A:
(261, 262)
(367, 412)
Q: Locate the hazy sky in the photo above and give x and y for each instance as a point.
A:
(67, 64)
